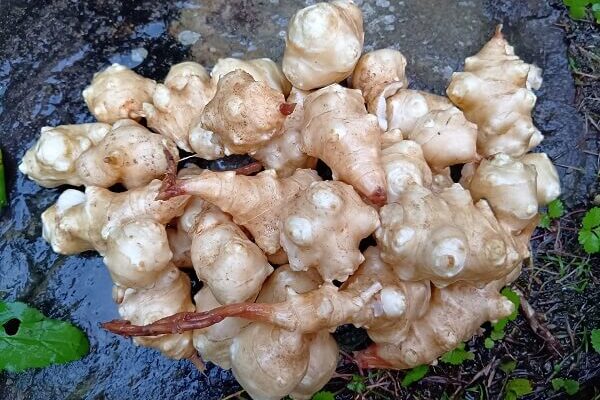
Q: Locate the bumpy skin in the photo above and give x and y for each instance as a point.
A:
(447, 138)
(444, 238)
(494, 93)
(284, 153)
(83, 221)
(244, 113)
(380, 74)
(261, 69)
(169, 295)
(404, 166)
(275, 288)
(548, 182)
(323, 44)
(338, 130)
(51, 160)
(389, 315)
(510, 187)
(180, 236)
(129, 154)
(322, 228)
(453, 316)
(255, 202)
(231, 265)
(213, 343)
(117, 93)
(177, 104)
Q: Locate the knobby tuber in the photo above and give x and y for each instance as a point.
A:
(338, 130)
(444, 250)
(323, 44)
(494, 92)
(177, 104)
(118, 93)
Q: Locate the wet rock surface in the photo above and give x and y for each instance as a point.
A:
(49, 51)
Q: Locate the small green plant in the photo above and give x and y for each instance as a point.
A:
(595, 339)
(457, 356)
(517, 388)
(323, 396)
(555, 210)
(568, 385)
(30, 340)
(357, 384)
(508, 367)
(578, 8)
(589, 234)
(415, 375)
(498, 329)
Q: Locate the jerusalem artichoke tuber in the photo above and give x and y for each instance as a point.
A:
(338, 130)
(244, 113)
(117, 93)
(547, 182)
(51, 161)
(177, 105)
(494, 93)
(323, 44)
(322, 228)
(261, 69)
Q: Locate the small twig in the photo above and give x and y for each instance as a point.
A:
(483, 372)
(538, 328)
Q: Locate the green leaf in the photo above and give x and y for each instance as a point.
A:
(488, 343)
(323, 396)
(589, 240)
(556, 209)
(514, 298)
(577, 12)
(3, 197)
(508, 367)
(30, 340)
(457, 356)
(595, 339)
(519, 387)
(357, 384)
(569, 385)
(591, 219)
(415, 375)
(545, 221)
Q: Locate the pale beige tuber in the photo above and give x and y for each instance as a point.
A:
(322, 228)
(323, 44)
(177, 104)
(338, 130)
(117, 93)
(244, 113)
(255, 202)
(547, 182)
(261, 69)
(494, 92)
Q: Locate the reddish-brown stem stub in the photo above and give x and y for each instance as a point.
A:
(368, 358)
(378, 197)
(249, 169)
(287, 108)
(187, 321)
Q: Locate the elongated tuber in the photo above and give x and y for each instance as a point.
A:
(494, 93)
(322, 228)
(51, 161)
(244, 113)
(177, 104)
(117, 93)
(255, 202)
(454, 313)
(261, 69)
(338, 130)
(323, 44)
(225, 259)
